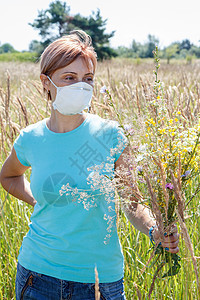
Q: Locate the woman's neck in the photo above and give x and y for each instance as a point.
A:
(60, 123)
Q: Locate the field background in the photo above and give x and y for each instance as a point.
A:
(130, 83)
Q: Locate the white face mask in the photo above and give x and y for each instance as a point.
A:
(72, 99)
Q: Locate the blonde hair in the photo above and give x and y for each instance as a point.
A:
(65, 50)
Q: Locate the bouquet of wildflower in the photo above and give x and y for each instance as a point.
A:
(165, 168)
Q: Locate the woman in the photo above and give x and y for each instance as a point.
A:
(73, 228)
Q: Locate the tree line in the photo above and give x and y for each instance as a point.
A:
(56, 21)
(179, 50)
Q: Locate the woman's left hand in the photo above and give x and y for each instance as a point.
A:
(171, 241)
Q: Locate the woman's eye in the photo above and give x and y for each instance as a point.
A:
(90, 79)
(69, 78)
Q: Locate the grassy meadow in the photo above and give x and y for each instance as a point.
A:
(130, 83)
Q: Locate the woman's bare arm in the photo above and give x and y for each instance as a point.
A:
(13, 180)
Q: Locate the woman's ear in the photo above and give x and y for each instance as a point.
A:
(45, 82)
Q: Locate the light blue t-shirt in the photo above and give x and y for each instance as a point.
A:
(73, 225)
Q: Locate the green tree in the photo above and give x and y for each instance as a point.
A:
(56, 21)
(35, 46)
(123, 51)
(195, 51)
(7, 48)
(185, 44)
(136, 48)
(95, 26)
(151, 45)
(145, 50)
(51, 22)
(171, 51)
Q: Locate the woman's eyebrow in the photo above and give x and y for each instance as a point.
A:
(74, 73)
(68, 72)
(90, 74)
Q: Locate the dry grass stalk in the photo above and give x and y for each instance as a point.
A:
(15, 127)
(138, 291)
(159, 221)
(2, 93)
(154, 278)
(180, 214)
(37, 86)
(106, 107)
(23, 108)
(155, 209)
(36, 109)
(138, 101)
(144, 90)
(97, 293)
(189, 246)
(7, 98)
(92, 108)
(178, 196)
(3, 131)
(102, 109)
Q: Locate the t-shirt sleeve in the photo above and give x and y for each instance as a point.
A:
(21, 149)
(120, 141)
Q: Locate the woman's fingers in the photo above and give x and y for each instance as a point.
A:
(173, 250)
(167, 244)
(172, 237)
(171, 242)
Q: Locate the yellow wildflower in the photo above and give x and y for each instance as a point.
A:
(152, 122)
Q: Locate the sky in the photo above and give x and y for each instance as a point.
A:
(169, 20)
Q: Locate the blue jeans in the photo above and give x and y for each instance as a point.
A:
(30, 285)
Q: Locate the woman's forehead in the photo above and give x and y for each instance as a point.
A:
(79, 64)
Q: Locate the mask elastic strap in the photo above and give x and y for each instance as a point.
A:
(52, 81)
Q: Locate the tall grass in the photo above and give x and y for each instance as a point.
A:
(22, 103)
